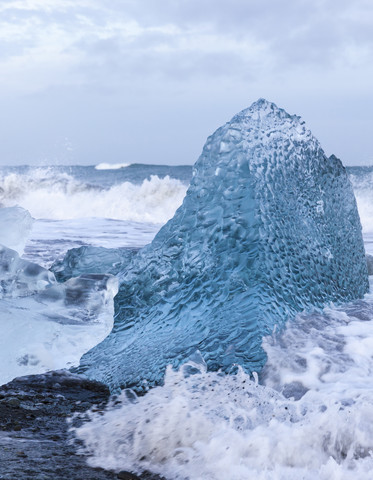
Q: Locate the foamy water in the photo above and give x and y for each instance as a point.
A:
(310, 417)
(50, 239)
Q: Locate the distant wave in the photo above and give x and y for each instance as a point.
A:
(48, 194)
(111, 166)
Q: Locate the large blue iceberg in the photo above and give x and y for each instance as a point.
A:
(269, 227)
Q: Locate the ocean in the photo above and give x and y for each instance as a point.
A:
(307, 415)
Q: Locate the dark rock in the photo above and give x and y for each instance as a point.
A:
(21, 454)
(127, 476)
(36, 443)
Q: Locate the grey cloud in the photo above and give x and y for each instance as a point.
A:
(314, 33)
(320, 28)
(119, 60)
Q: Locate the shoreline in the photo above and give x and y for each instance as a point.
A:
(35, 442)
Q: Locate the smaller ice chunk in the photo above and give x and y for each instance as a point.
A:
(78, 300)
(53, 328)
(47, 325)
(20, 278)
(15, 226)
(89, 259)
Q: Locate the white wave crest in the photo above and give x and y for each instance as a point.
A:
(50, 195)
(111, 166)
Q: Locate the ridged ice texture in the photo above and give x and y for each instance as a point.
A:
(269, 227)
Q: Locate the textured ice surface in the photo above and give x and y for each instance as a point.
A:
(268, 227)
(15, 226)
(88, 259)
(369, 263)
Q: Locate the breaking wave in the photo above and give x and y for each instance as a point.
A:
(50, 194)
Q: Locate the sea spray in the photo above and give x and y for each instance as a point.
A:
(310, 416)
(47, 193)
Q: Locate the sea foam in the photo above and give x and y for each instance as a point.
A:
(310, 416)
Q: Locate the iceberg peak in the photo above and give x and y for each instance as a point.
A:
(265, 114)
(263, 104)
(264, 107)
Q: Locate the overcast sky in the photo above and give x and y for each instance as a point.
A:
(89, 81)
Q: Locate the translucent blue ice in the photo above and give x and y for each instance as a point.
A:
(269, 227)
(89, 259)
(21, 278)
(15, 227)
(46, 325)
